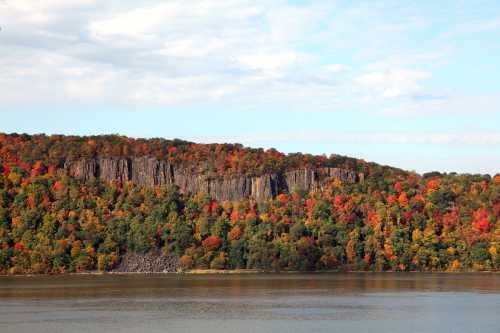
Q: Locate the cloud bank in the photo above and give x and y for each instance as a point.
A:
(315, 56)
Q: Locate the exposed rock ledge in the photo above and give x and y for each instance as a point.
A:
(149, 171)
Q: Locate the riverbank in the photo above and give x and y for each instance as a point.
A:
(245, 271)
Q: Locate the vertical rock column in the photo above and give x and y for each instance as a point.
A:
(149, 171)
(114, 169)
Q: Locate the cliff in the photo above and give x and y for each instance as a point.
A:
(149, 171)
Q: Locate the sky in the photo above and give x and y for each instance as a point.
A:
(412, 84)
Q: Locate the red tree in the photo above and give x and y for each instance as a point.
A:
(211, 243)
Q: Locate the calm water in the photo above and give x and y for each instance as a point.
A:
(387, 302)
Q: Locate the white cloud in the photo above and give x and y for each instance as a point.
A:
(152, 53)
(136, 23)
(193, 47)
(39, 12)
(337, 68)
(394, 82)
(178, 90)
(270, 61)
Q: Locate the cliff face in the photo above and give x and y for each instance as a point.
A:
(148, 171)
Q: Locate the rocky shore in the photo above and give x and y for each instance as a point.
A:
(148, 263)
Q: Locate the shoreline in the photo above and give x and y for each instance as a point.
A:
(243, 272)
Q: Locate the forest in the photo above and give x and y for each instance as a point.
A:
(394, 220)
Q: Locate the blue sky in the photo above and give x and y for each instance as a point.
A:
(410, 84)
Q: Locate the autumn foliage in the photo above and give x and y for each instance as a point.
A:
(211, 243)
(394, 220)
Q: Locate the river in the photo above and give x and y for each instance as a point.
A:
(316, 302)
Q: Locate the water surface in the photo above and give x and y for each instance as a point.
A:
(340, 302)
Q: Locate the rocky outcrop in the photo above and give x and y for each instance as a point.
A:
(114, 169)
(265, 187)
(315, 179)
(149, 171)
(86, 169)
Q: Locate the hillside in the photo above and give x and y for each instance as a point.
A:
(72, 204)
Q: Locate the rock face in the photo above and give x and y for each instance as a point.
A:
(148, 171)
(315, 179)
